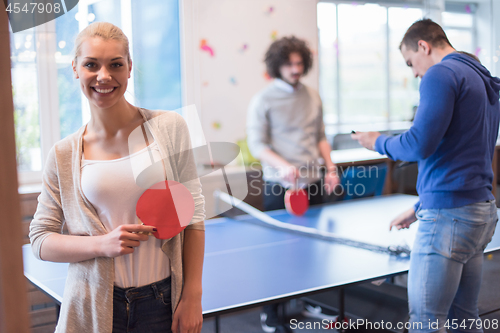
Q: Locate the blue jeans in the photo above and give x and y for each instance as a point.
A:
(446, 267)
(143, 309)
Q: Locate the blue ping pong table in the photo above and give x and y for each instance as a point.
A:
(249, 265)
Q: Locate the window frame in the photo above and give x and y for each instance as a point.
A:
(388, 125)
(339, 127)
(454, 8)
(48, 97)
(190, 58)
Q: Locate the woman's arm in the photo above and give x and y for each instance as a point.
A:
(188, 315)
(194, 252)
(67, 248)
(45, 229)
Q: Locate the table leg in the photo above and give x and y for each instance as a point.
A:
(217, 324)
(341, 316)
(58, 311)
(388, 185)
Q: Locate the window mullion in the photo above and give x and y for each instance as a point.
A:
(339, 102)
(83, 12)
(48, 94)
(388, 68)
(126, 18)
(474, 34)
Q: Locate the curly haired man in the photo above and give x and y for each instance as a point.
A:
(286, 132)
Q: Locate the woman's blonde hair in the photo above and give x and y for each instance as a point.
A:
(104, 30)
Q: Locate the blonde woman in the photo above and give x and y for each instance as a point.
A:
(119, 279)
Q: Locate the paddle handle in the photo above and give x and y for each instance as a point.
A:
(294, 181)
(144, 232)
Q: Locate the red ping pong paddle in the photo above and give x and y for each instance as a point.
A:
(168, 206)
(296, 201)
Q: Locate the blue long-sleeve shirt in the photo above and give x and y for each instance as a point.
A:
(453, 135)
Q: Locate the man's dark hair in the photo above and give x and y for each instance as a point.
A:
(426, 30)
(279, 53)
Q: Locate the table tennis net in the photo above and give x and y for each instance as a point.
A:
(261, 218)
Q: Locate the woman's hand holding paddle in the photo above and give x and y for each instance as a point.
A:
(123, 239)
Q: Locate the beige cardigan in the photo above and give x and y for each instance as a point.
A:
(88, 295)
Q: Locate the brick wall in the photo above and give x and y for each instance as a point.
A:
(42, 308)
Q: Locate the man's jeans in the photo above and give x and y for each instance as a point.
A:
(446, 267)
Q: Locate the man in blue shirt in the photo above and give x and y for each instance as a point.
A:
(453, 140)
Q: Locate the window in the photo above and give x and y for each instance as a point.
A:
(156, 54)
(328, 54)
(364, 81)
(70, 98)
(48, 101)
(362, 58)
(459, 27)
(25, 93)
(403, 86)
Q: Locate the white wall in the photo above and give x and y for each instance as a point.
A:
(227, 25)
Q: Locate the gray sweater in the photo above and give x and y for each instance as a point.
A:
(289, 122)
(88, 295)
